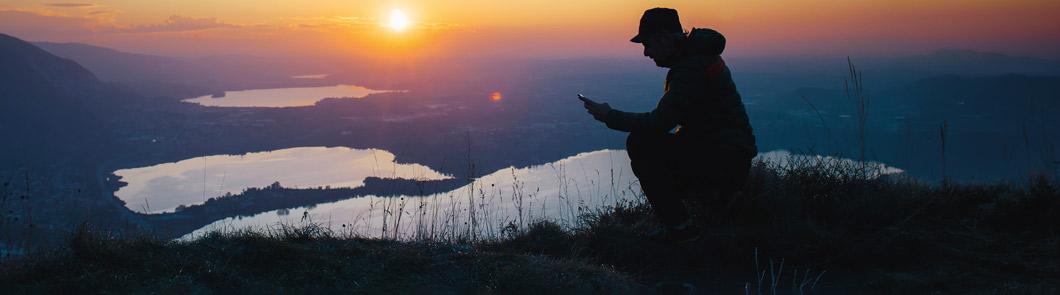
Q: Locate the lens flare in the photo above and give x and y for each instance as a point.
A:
(496, 96)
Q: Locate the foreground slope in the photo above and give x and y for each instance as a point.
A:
(810, 227)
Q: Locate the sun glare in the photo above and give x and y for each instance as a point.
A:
(398, 20)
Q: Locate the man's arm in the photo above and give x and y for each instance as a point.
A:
(665, 115)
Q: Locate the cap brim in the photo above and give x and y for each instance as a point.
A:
(637, 39)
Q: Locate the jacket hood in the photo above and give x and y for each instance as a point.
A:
(705, 41)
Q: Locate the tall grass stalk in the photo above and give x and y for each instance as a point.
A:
(854, 88)
(804, 284)
(824, 124)
(943, 134)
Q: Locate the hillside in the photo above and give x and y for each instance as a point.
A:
(44, 98)
(29, 71)
(816, 227)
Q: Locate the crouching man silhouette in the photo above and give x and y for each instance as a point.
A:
(708, 156)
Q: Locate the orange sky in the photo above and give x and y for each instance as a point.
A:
(540, 29)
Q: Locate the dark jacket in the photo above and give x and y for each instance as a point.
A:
(700, 97)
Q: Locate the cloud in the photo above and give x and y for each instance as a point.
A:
(336, 22)
(37, 26)
(71, 5)
(443, 26)
(178, 23)
(53, 26)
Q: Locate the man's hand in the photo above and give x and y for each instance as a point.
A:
(598, 110)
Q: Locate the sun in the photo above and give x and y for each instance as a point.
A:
(398, 20)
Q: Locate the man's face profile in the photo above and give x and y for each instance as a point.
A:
(660, 48)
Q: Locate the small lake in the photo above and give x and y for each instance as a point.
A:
(283, 97)
(161, 188)
(310, 76)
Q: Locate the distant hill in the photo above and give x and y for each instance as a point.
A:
(177, 77)
(1007, 97)
(29, 70)
(969, 62)
(113, 65)
(777, 76)
(45, 99)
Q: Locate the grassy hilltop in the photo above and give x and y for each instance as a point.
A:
(811, 226)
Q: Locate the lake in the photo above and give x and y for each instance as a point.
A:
(161, 188)
(559, 191)
(283, 97)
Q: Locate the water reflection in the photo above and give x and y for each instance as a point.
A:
(283, 97)
(559, 191)
(163, 187)
(783, 159)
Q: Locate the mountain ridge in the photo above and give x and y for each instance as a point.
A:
(30, 70)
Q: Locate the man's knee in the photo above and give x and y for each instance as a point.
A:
(632, 147)
(648, 154)
(641, 145)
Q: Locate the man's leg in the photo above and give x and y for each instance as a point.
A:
(724, 179)
(651, 157)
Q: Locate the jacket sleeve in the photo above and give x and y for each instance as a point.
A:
(665, 115)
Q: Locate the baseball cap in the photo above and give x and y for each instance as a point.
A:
(657, 20)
